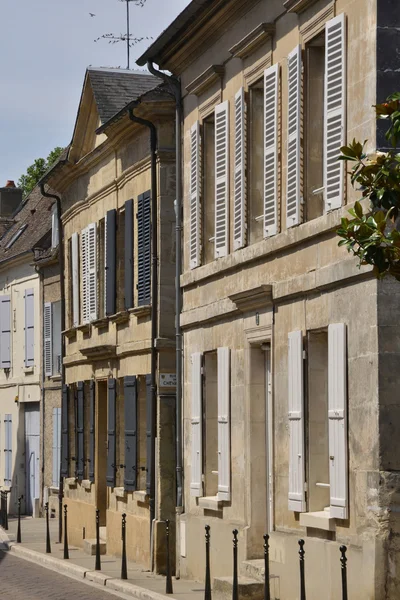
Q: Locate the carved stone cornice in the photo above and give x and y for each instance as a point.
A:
(204, 81)
(99, 352)
(298, 6)
(257, 297)
(253, 40)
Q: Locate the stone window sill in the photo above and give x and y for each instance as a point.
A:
(141, 311)
(140, 496)
(70, 482)
(70, 333)
(318, 520)
(119, 492)
(211, 503)
(55, 377)
(53, 490)
(28, 370)
(86, 484)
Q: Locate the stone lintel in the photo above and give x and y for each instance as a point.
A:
(99, 352)
(253, 40)
(204, 81)
(298, 6)
(258, 297)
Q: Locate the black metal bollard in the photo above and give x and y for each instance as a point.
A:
(168, 583)
(266, 568)
(19, 521)
(5, 511)
(343, 562)
(235, 587)
(48, 546)
(98, 563)
(207, 590)
(124, 571)
(66, 550)
(60, 520)
(302, 580)
(2, 509)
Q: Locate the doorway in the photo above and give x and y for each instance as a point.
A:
(101, 450)
(32, 456)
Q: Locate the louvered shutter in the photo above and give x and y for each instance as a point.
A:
(110, 261)
(56, 445)
(111, 433)
(5, 332)
(337, 413)
(29, 327)
(65, 431)
(92, 413)
(195, 190)
(221, 179)
(130, 407)
(224, 437)
(296, 423)
(293, 139)
(47, 342)
(271, 88)
(149, 435)
(196, 487)
(144, 249)
(335, 111)
(239, 237)
(128, 270)
(8, 450)
(84, 275)
(92, 272)
(80, 450)
(74, 301)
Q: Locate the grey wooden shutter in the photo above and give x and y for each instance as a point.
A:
(5, 332)
(110, 262)
(293, 139)
(29, 327)
(130, 407)
(239, 229)
(128, 271)
(144, 249)
(149, 434)
(335, 111)
(195, 186)
(8, 450)
(47, 339)
(64, 432)
(80, 412)
(221, 179)
(111, 437)
(56, 445)
(296, 495)
(92, 413)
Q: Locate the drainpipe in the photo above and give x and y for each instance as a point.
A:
(175, 88)
(154, 305)
(62, 301)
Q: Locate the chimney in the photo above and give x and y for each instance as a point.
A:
(10, 199)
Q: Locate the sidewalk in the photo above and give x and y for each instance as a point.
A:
(140, 584)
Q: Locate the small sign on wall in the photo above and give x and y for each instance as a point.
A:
(167, 380)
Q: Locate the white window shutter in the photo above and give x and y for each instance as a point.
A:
(337, 413)
(92, 271)
(196, 487)
(55, 237)
(195, 186)
(271, 88)
(296, 423)
(239, 236)
(224, 438)
(5, 332)
(221, 179)
(84, 275)
(75, 278)
(29, 328)
(47, 339)
(335, 111)
(293, 138)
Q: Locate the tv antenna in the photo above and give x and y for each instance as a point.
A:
(125, 37)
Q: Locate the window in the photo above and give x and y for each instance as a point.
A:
(56, 445)
(319, 457)
(29, 327)
(211, 424)
(208, 189)
(102, 266)
(73, 283)
(121, 260)
(5, 332)
(314, 127)
(256, 162)
(16, 235)
(55, 236)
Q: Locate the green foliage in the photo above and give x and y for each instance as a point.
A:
(36, 171)
(373, 237)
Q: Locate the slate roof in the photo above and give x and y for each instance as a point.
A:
(35, 214)
(115, 88)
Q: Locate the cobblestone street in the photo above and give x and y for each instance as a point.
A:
(22, 580)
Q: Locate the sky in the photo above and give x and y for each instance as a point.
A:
(45, 47)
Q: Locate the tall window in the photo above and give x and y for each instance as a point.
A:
(102, 266)
(120, 260)
(208, 189)
(314, 127)
(210, 424)
(256, 162)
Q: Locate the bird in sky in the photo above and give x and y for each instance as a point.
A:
(92, 14)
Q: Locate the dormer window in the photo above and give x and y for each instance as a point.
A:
(16, 235)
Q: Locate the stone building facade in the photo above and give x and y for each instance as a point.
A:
(116, 436)
(288, 358)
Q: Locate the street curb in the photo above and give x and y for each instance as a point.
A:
(86, 575)
(4, 539)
